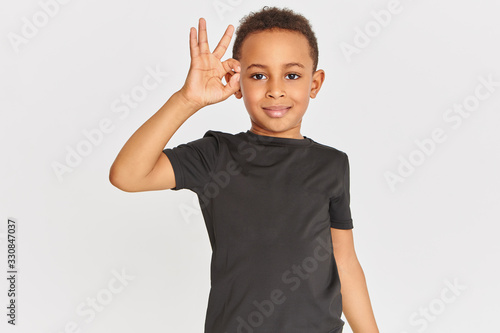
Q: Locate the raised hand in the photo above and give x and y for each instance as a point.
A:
(203, 84)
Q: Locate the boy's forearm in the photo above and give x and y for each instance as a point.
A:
(355, 299)
(140, 153)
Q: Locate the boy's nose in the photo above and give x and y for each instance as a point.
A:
(275, 89)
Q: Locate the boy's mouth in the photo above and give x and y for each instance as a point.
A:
(276, 111)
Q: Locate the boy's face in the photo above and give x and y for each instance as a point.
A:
(277, 80)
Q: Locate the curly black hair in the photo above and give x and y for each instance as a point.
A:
(275, 18)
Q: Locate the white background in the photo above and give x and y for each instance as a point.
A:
(438, 223)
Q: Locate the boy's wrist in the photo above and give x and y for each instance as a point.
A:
(186, 102)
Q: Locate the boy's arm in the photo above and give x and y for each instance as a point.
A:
(355, 299)
(141, 164)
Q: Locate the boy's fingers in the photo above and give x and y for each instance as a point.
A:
(233, 85)
(224, 42)
(230, 65)
(193, 43)
(202, 36)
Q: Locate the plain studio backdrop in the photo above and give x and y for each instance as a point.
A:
(412, 95)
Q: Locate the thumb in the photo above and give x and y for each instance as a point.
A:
(233, 85)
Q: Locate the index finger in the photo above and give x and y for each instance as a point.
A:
(224, 42)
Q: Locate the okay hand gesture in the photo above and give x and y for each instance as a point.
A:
(203, 85)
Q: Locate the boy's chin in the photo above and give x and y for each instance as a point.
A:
(275, 125)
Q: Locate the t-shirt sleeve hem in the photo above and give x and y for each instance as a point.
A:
(179, 176)
(347, 224)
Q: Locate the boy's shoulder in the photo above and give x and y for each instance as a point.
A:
(216, 133)
(323, 146)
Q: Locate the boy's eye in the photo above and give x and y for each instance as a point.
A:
(258, 76)
(293, 74)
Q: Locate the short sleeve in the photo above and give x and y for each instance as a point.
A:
(194, 162)
(340, 211)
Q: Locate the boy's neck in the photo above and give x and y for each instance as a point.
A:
(290, 134)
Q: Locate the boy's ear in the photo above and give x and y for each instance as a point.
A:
(317, 81)
(238, 95)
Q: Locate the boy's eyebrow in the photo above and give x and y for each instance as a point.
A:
(290, 64)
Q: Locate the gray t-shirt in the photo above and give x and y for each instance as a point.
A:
(268, 205)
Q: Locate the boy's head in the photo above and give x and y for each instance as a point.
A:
(278, 53)
(269, 18)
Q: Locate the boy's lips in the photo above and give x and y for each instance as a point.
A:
(276, 111)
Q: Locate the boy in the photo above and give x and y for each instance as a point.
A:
(275, 203)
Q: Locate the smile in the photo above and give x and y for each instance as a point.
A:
(276, 111)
